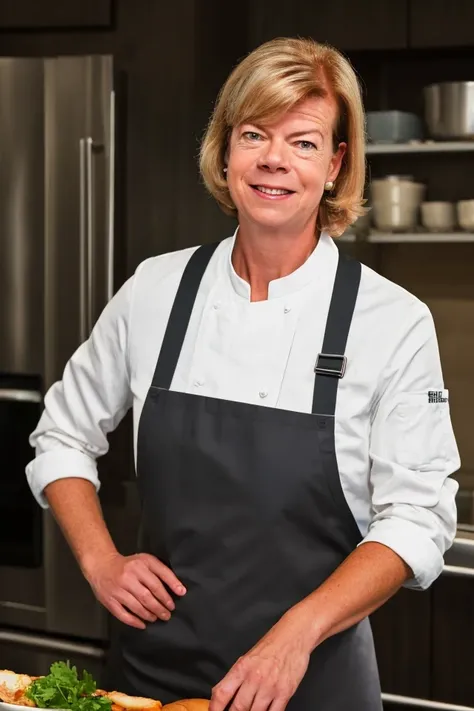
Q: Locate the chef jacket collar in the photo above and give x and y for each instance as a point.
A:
(319, 268)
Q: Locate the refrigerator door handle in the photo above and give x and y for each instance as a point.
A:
(87, 149)
(86, 227)
(111, 202)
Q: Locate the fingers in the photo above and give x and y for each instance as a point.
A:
(270, 698)
(148, 600)
(121, 614)
(144, 580)
(132, 603)
(249, 697)
(244, 698)
(156, 588)
(164, 573)
(132, 589)
(278, 705)
(224, 692)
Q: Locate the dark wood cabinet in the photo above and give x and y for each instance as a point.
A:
(424, 643)
(186, 52)
(54, 14)
(348, 25)
(452, 636)
(441, 23)
(402, 635)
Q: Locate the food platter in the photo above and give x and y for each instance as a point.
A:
(79, 694)
(4, 706)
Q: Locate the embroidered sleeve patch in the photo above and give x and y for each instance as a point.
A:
(436, 396)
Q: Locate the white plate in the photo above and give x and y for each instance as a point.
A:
(16, 707)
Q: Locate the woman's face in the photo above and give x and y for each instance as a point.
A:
(276, 172)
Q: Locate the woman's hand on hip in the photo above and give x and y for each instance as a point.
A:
(133, 588)
(268, 675)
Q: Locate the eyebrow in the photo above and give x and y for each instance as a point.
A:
(295, 134)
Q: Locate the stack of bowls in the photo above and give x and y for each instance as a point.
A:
(396, 201)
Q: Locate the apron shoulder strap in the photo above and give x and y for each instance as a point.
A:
(331, 363)
(180, 314)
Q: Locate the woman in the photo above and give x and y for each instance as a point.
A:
(292, 464)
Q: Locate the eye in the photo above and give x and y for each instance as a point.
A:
(252, 135)
(306, 145)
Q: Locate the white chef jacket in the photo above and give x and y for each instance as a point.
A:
(394, 441)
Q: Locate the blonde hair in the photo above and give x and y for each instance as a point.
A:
(267, 83)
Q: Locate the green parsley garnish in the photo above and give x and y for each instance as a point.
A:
(62, 689)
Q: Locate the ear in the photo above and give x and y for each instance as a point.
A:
(336, 162)
(228, 141)
(226, 154)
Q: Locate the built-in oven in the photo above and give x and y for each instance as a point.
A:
(47, 609)
(22, 594)
(21, 530)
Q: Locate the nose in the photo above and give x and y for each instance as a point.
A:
(273, 157)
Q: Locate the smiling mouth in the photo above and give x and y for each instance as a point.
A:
(272, 192)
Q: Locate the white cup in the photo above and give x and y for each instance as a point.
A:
(396, 203)
(438, 216)
(465, 210)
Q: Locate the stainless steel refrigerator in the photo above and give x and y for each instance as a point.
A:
(57, 178)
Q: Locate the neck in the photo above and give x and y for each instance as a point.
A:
(261, 257)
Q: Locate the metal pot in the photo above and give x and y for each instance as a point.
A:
(449, 110)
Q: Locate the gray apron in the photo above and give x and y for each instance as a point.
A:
(245, 504)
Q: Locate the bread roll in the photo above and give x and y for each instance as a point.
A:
(188, 705)
(133, 703)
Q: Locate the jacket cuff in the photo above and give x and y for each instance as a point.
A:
(59, 464)
(413, 546)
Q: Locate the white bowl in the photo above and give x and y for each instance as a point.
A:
(395, 217)
(396, 204)
(397, 191)
(438, 216)
(465, 209)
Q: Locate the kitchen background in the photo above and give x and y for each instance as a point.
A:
(102, 104)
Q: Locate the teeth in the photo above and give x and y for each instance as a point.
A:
(272, 191)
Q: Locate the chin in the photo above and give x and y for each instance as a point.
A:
(269, 221)
(271, 226)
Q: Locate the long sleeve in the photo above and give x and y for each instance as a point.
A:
(89, 402)
(413, 452)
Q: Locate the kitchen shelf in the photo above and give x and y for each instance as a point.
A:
(380, 237)
(422, 147)
(350, 237)
(404, 237)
